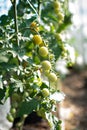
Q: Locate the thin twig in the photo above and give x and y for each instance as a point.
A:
(32, 7)
(39, 3)
(15, 20)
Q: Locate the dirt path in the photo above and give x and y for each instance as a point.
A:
(74, 107)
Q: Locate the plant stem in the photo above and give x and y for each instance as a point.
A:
(21, 123)
(39, 7)
(32, 7)
(15, 21)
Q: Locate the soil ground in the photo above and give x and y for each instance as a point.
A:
(75, 88)
(74, 106)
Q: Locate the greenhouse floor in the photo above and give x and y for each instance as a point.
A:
(74, 106)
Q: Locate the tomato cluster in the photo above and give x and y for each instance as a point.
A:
(32, 52)
(45, 56)
(59, 13)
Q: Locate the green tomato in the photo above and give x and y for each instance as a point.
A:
(57, 5)
(16, 97)
(13, 111)
(10, 117)
(58, 36)
(43, 51)
(46, 65)
(52, 77)
(60, 16)
(56, 10)
(45, 92)
(37, 39)
(26, 94)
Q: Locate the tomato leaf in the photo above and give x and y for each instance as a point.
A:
(27, 107)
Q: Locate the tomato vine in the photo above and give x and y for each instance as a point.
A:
(30, 44)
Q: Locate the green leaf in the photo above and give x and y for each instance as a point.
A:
(3, 58)
(19, 85)
(3, 20)
(27, 107)
(43, 86)
(2, 95)
(53, 121)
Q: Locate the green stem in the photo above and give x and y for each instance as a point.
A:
(15, 21)
(21, 123)
(39, 3)
(32, 7)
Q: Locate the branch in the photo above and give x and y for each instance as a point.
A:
(32, 7)
(15, 21)
(39, 3)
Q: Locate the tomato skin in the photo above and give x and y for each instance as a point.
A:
(10, 117)
(43, 51)
(13, 111)
(46, 65)
(37, 39)
(58, 36)
(52, 77)
(60, 16)
(57, 5)
(26, 94)
(45, 92)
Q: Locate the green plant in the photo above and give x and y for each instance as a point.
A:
(29, 48)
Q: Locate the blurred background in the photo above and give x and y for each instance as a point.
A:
(73, 110)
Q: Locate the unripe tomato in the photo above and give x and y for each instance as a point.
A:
(58, 36)
(10, 117)
(43, 51)
(51, 56)
(45, 92)
(37, 39)
(52, 77)
(57, 4)
(13, 111)
(26, 94)
(60, 16)
(16, 97)
(46, 65)
(56, 10)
